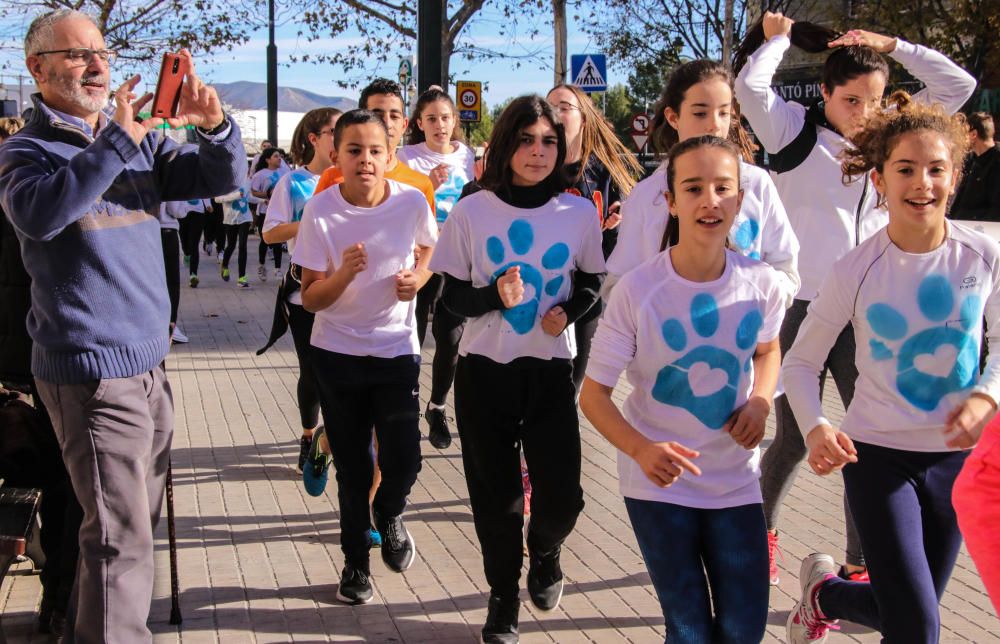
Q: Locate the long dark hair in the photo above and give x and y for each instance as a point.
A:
(664, 136)
(672, 234)
(265, 154)
(505, 139)
(432, 95)
(842, 65)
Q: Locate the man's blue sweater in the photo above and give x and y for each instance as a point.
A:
(84, 210)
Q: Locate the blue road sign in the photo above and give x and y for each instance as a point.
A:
(589, 72)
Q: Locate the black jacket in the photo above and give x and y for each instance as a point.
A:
(978, 196)
(15, 300)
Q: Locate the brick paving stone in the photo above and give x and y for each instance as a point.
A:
(259, 560)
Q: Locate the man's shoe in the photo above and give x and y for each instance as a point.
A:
(355, 586)
(305, 442)
(317, 467)
(440, 435)
(772, 564)
(501, 620)
(398, 549)
(806, 623)
(545, 580)
(225, 274)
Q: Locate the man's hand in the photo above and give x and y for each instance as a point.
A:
(829, 449)
(199, 104)
(555, 321)
(126, 111)
(406, 285)
(511, 287)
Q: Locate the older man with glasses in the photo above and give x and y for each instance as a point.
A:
(82, 188)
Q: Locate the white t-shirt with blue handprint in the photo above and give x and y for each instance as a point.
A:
(462, 160)
(918, 326)
(484, 236)
(288, 202)
(761, 229)
(687, 350)
(263, 181)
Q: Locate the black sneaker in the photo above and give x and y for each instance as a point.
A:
(501, 620)
(440, 435)
(355, 586)
(398, 549)
(545, 581)
(305, 442)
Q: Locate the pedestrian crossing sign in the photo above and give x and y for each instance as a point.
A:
(589, 72)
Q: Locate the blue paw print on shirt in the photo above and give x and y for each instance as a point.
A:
(937, 361)
(521, 238)
(745, 235)
(703, 381)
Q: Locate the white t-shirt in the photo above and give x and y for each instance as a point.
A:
(484, 236)
(760, 231)
(236, 206)
(687, 350)
(262, 181)
(462, 161)
(367, 319)
(288, 202)
(917, 323)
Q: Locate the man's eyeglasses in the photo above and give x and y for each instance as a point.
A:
(84, 55)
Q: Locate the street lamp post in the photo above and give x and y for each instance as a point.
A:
(430, 27)
(272, 78)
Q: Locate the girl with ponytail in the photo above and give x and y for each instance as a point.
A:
(829, 216)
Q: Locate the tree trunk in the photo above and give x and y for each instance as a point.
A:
(559, 27)
(727, 34)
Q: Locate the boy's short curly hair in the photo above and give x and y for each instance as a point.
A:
(878, 137)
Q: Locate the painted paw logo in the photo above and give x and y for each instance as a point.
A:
(703, 380)
(744, 236)
(937, 361)
(521, 240)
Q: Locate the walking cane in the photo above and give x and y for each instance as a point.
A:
(175, 602)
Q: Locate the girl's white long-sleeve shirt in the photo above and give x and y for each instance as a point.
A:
(687, 350)
(829, 218)
(761, 229)
(918, 322)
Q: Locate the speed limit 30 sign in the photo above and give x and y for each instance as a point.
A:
(468, 96)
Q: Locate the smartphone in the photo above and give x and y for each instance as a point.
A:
(168, 86)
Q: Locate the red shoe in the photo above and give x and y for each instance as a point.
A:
(772, 549)
(858, 575)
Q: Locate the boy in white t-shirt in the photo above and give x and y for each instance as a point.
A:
(355, 246)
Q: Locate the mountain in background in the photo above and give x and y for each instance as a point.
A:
(247, 95)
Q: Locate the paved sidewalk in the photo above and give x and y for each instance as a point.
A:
(259, 560)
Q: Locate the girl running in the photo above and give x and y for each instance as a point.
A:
(698, 101)
(437, 150)
(265, 177)
(522, 260)
(312, 148)
(236, 220)
(828, 216)
(695, 329)
(915, 293)
(356, 246)
(601, 169)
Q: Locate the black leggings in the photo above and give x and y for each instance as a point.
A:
(215, 232)
(191, 228)
(171, 262)
(232, 232)
(262, 247)
(300, 322)
(447, 329)
(500, 409)
(585, 328)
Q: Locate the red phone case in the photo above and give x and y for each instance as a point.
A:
(168, 87)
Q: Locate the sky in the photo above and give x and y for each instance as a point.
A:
(247, 62)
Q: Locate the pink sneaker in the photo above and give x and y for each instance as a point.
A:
(806, 623)
(772, 564)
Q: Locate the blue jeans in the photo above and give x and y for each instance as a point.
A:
(682, 545)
